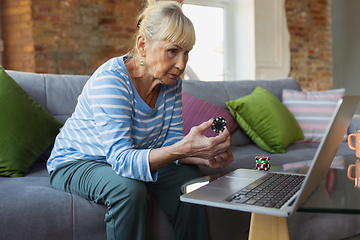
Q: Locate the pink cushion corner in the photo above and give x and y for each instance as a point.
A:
(196, 111)
(312, 110)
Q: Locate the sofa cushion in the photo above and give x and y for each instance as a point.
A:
(266, 120)
(312, 110)
(27, 129)
(219, 92)
(62, 92)
(196, 111)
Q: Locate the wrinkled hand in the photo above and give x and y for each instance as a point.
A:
(220, 161)
(214, 151)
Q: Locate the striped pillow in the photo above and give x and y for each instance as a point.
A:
(312, 110)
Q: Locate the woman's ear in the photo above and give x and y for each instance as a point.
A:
(140, 45)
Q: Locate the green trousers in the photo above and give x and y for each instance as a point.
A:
(126, 199)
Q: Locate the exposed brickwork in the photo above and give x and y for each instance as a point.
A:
(17, 34)
(67, 36)
(77, 36)
(309, 24)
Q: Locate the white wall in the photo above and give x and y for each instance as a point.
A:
(244, 40)
(261, 40)
(346, 45)
(272, 40)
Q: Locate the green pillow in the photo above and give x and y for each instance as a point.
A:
(266, 120)
(26, 128)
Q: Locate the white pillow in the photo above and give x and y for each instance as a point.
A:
(312, 110)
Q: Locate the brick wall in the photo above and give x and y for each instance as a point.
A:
(67, 36)
(1, 43)
(309, 24)
(17, 33)
(76, 36)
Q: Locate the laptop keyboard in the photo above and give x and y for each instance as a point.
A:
(273, 190)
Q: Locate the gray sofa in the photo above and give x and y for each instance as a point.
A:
(31, 209)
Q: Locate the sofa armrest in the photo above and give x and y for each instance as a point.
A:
(354, 124)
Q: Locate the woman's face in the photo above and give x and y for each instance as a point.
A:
(166, 61)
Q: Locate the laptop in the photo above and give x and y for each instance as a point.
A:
(224, 191)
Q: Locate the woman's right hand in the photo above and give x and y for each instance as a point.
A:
(195, 148)
(197, 145)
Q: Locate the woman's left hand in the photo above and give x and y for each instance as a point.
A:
(195, 148)
(221, 160)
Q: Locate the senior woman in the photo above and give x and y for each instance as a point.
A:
(125, 136)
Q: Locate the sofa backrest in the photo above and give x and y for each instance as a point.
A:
(222, 91)
(56, 93)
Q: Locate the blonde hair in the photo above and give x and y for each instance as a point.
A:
(165, 20)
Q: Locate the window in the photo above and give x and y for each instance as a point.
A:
(208, 57)
(249, 40)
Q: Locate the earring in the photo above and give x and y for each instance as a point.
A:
(142, 63)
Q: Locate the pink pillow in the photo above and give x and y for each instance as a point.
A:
(196, 111)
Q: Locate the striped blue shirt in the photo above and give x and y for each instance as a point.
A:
(111, 123)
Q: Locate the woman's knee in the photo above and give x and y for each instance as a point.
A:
(137, 192)
(131, 192)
